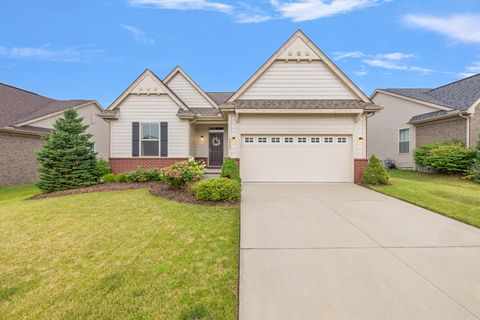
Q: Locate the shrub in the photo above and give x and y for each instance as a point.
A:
(143, 175)
(230, 169)
(181, 174)
(476, 165)
(109, 178)
(67, 159)
(121, 177)
(375, 173)
(102, 167)
(449, 157)
(219, 189)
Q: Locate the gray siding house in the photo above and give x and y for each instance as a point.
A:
(25, 117)
(413, 117)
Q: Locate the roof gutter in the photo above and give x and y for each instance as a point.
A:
(451, 114)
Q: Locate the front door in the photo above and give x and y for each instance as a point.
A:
(215, 149)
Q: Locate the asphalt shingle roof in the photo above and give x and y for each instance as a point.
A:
(18, 105)
(300, 104)
(219, 97)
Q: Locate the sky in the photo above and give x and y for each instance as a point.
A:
(93, 49)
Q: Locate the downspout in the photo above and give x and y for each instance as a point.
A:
(467, 117)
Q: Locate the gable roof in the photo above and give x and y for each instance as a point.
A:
(154, 79)
(459, 95)
(179, 70)
(220, 97)
(280, 53)
(19, 106)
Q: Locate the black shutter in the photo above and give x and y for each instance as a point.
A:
(135, 139)
(164, 139)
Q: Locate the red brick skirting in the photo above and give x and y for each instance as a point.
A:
(359, 167)
(119, 165)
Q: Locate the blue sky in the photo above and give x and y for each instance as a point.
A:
(93, 49)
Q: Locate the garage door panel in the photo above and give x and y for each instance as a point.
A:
(297, 162)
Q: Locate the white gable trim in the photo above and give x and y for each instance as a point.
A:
(157, 80)
(425, 103)
(179, 70)
(317, 51)
(56, 113)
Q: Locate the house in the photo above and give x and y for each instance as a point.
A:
(413, 117)
(25, 117)
(298, 118)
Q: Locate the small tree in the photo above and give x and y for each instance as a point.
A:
(230, 169)
(67, 159)
(375, 173)
(476, 165)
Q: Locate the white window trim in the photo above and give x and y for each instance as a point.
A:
(141, 139)
(409, 141)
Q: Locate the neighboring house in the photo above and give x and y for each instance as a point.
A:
(413, 117)
(298, 119)
(25, 117)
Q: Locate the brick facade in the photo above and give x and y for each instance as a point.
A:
(359, 166)
(438, 131)
(18, 162)
(120, 165)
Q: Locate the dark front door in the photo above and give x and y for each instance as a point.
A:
(215, 149)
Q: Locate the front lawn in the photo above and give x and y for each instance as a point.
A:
(448, 195)
(116, 255)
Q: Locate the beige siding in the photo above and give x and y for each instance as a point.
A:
(201, 147)
(151, 108)
(475, 127)
(383, 128)
(298, 80)
(97, 127)
(233, 147)
(298, 125)
(187, 92)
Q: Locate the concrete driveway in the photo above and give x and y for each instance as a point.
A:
(340, 251)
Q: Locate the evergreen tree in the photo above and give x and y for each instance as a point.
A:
(67, 159)
(375, 173)
(476, 165)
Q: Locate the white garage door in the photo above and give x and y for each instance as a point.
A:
(312, 158)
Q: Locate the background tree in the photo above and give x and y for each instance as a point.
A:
(476, 165)
(67, 159)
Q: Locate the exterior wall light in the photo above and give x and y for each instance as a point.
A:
(360, 139)
(202, 138)
(234, 141)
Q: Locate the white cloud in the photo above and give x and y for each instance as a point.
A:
(461, 27)
(84, 53)
(361, 73)
(475, 67)
(394, 65)
(304, 10)
(395, 56)
(340, 55)
(139, 35)
(184, 5)
(251, 18)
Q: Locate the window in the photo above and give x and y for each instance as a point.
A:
(315, 140)
(150, 139)
(248, 140)
(404, 141)
(302, 140)
(328, 140)
(275, 140)
(288, 140)
(262, 140)
(342, 140)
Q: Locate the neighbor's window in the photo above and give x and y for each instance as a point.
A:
(150, 139)
(404, 141)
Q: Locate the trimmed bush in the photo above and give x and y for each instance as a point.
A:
(109, 178)
(230, 169)
(67, 159)
(219, 189)
(121, 177)
(449, 157)
(182, 173)
(143, 175)
(102, 167)
(375, 173)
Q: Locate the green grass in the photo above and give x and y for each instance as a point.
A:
(448, 195)
(116, 255)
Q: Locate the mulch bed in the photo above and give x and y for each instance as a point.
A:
(156, 188)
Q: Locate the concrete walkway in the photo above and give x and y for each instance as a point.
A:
(339, 251)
